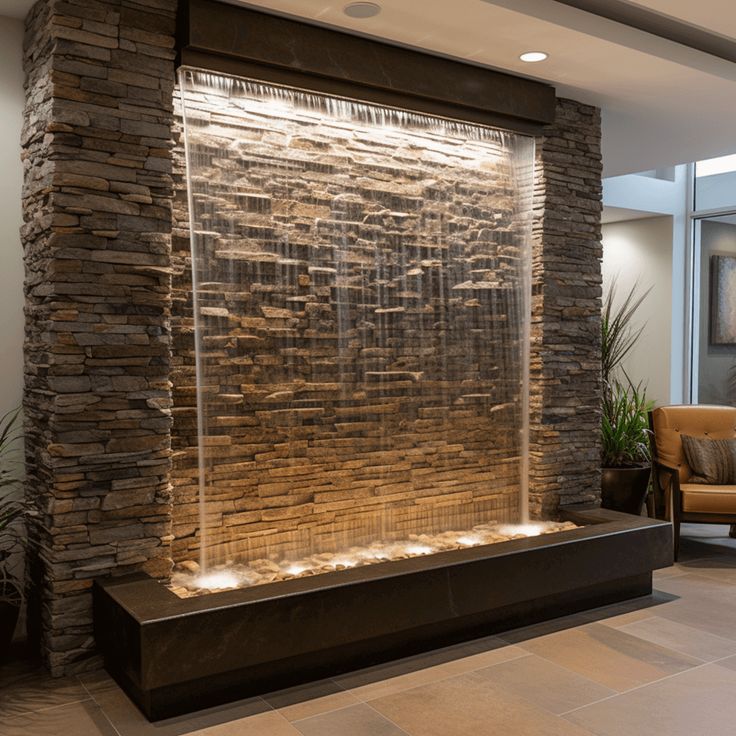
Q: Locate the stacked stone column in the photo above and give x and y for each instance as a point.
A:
(97, 209)
(97, 148)
(566, 312)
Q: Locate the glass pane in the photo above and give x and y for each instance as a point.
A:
(716, 307)
(361, 281)
(715, 183)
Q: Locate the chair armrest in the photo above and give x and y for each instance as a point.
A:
(670, 488)
(666, 469)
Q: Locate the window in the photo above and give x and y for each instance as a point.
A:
(715, 183)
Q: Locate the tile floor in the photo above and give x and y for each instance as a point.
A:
(664, 664)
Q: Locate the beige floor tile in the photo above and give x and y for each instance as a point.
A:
(682, 638)
(75, 719)
(631, 610)
(358, 720)
(610, 657)
(721, 573)
(543, 628)
(707, 612)
(376, 682)
(469, 705)
(29, 689)
(699, 540)
(545, 684)
(129, 721)
(311, 699)
(669, 572)
(729, 662)
(627, 618)
(695, 583)
(699, 702)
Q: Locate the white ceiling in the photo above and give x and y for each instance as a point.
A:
(717, 16)
(15, 8)
(663, 103)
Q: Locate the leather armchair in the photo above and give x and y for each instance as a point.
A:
(675, 497)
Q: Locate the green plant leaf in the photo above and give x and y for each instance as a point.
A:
(624, 407)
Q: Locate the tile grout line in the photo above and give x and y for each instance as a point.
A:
(687, 626)
(26, 713)
(444, 679)
(615, 694)
(646, 684)
(362, 701)
(102, 710)
(638, 620)
(385, 717)
(323, 713)
(343, 691)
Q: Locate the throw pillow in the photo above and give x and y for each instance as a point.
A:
(713, 462)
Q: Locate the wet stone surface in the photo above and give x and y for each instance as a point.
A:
(188, 579)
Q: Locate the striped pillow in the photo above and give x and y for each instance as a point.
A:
(713, 462)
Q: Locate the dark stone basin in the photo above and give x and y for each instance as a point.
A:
(174, 655)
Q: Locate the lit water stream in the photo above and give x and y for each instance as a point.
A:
(361, 301)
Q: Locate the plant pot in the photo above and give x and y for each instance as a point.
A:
(625, 489)
(9, 611)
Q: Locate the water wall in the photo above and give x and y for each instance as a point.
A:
(360, 305)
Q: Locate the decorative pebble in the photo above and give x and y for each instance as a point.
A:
(184, 580)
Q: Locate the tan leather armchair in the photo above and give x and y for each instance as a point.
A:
(675, 497)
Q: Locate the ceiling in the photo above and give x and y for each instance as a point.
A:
(15, 8)
(664, 102)
(717, 16)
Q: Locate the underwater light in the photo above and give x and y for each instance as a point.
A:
(528, 530)
(217, 580)
(469, 540)
(345, 562)
(418, 549)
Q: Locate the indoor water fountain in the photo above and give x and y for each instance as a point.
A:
(361, 298)
(361, 241)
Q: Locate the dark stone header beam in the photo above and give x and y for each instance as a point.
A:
(244, 42)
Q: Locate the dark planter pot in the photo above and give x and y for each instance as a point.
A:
(9, 611)
(625, 489)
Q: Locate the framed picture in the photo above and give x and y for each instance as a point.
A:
(723, 300)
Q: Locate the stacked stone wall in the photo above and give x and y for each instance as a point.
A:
(97, 211)
(565, 369)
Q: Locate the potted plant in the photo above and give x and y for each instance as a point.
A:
(625, 455)
(11, 513)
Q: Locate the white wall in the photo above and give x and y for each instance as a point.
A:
(11, 176)
(642, 250)
(665, 194)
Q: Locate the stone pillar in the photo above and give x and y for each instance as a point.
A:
(566, 312)
(97, 208)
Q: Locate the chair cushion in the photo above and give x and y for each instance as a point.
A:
(713, 462)
(701, 499)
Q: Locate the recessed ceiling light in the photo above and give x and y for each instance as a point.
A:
(532, 56)
(362, 10)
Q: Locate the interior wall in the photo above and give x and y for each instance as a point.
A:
(11, 253)
(641, 251)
